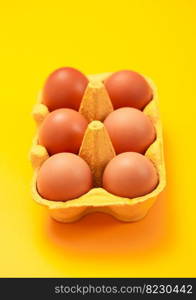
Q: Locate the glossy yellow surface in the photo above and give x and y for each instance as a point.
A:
(154, 37)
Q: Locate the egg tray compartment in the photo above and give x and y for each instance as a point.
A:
(97, 150)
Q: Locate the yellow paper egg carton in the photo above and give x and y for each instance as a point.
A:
(97, 150)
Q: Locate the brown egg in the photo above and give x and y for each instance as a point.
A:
(64, 88)
(62, 131)
(64, 176)
(129, 130)
(130, 175)
(128, 88)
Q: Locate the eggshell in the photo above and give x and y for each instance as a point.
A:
(130, 130)
(64, 88)
(64, 176)
(130, 175)
(62, 131)
(128, 88)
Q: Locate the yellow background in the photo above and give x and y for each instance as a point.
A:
(153, 37)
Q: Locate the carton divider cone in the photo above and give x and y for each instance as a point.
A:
(96, 150)
(96, 104)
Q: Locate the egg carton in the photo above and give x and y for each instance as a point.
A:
(97, 150)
